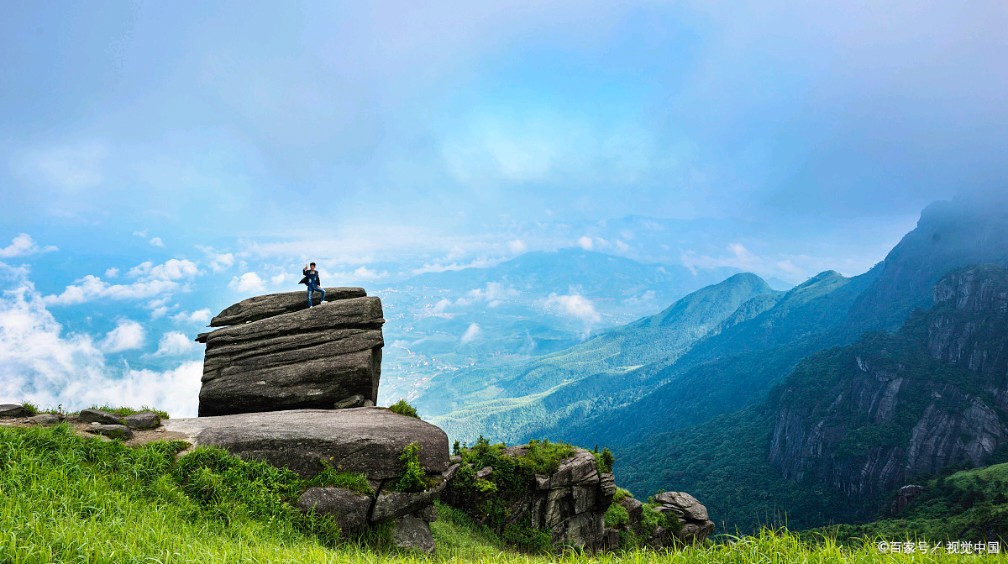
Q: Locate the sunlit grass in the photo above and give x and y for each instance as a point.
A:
(65, 498)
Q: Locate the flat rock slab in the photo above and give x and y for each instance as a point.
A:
(99, 416)
(368, 440)
(120, 432)
(13, 410)
(143, 420)
(45, 419)
(269, 305)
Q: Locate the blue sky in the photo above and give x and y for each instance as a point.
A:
(159, 161)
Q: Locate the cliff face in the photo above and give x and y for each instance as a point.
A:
(867, 417)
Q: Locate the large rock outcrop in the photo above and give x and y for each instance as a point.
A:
(295, 387)
(367, 441)
(570, 503)
(277, 354)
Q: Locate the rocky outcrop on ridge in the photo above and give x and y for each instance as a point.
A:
(367, 441)
(295, 387)
(569, 503)
(271, 305)
(276, 353)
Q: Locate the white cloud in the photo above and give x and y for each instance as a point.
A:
(157, 242)
(278, 279)
(175, 343)
(172, 269)
(440, 267)
(517, 246)
(198, 316)
(23, 245)
(586, 243)
(470, 334)
(494, 294)
(248, 282)
(218, 261)
(38, 363)
(111, 273)
(439, 309)
(365, 273)
(127, 335)
(91, 287)
(576, 306)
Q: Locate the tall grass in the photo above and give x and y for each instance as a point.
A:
(65, 498)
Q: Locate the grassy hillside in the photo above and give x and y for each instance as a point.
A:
(965, 505)
(69, 498)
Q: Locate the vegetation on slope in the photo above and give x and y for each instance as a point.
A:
(968, 505)
(69, 498)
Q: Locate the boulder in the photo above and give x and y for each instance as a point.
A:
(350, 509)
(46, 419)
(428, 513)
(271, 305)
(635, 509)
(308, 359)
(696, 524)
(13, 410)
(579, 469)
(99, 416)
(904, 496)
(391, 504)
(120, 432)
(143, 420)
(413, 533)
(367, 440)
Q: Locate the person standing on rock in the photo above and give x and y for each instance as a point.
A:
(312, 280)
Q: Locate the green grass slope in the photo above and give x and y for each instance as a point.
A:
(65, 498)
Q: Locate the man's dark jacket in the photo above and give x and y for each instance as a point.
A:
(310, 278)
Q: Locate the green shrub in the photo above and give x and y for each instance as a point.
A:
(604, 460)
(403, 408)
(617, 516)
(127, 411)
(651, 519)
(621, 494)
(543, 457)
(30, 407)
(413, 478)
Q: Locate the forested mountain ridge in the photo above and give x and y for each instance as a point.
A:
(853, 423)
(682, 382)
(564, 384)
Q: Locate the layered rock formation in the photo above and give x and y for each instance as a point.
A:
(274, 353)
(570, 503)
(294, 386)
(367, 441)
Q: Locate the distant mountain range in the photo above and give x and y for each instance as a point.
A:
(683, 386)
(537, 303)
